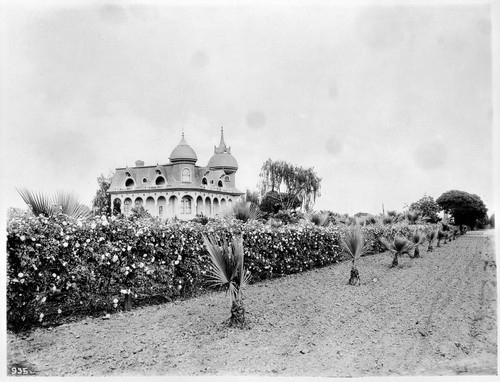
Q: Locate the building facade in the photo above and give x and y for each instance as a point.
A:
(180, 188)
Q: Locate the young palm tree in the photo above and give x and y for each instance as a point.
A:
(317, 218)
(61, 202)
(243, 211)
(353, 244)
(431, 235)
(417, 238)
(399, 246)
(228, 272)
(440, 236)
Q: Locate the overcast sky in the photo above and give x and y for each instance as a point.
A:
(386, 103)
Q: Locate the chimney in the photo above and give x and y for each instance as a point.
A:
(139, 163)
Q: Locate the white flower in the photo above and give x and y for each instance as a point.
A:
(88, 240)
(126, 273)
(65, 244)
(41, 316)
(129, 248)
(44, 299)
(102, 257)
(127, 268)
(92, 226)
(21, 281)
(114, 259)
(77, 245)
(67, 237)
(20, 274)
(123, 291)
(141, 265)
(59, 311)
(176, 262)
(115, 301)
(23, 237)
(54, 288)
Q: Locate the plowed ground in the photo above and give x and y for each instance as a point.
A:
(435, 315)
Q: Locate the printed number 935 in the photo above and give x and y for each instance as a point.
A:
(19, 370)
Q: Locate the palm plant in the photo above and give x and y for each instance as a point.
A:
(413, 216)
(61, 202)
(317, 218)
(388, 219)
(417, 238)
(399, 246)
(440, 236)
(431, 235)
(353, 245)
(228, 272)
(242, 210)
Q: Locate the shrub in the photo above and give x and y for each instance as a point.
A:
(60, 267)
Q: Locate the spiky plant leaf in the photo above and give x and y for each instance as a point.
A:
(243, 211)
(317, 218)
(399, 245)
(39, 203)
(353, 243)
(417, 238)
(227, 265)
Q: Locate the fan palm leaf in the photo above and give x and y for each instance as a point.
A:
(39, 203)
(353, 244)
(398, 246)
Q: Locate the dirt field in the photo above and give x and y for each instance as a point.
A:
(430, 316)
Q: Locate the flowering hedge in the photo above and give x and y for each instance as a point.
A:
(61, 267)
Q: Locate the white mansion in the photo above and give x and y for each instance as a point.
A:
(180, 188)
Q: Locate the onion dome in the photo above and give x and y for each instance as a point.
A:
(222, 158)
(183, 153)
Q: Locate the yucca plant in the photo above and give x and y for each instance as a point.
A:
(431, 235)
(62, 202)
(417, 239)
(354, 245)
(229, 273)
(399, 246)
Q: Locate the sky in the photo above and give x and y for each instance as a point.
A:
(386, 103)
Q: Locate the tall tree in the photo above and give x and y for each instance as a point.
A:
(101, 205)
(427, 207)
(466, 209)
(290, 183)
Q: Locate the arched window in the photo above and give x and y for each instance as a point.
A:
(220, 183)
(226, 179)
(160, 181)
(186, 205)
(186, 175)
(144, 180)
(127, 205)
(204, 181)
(129, 182)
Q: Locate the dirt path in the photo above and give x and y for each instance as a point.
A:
(431, 316)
